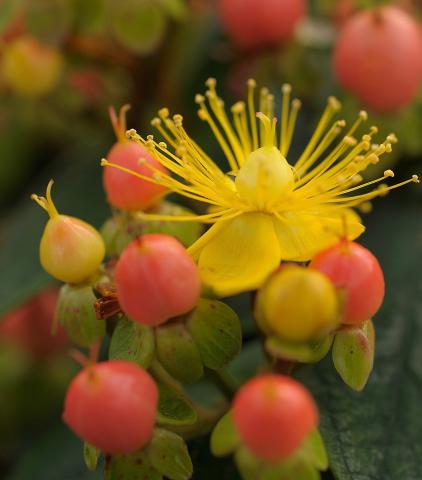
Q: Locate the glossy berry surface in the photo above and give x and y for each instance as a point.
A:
(112, 405)
(355, 271)
(258, 23)
(298, 304)
(127, 191)
(378, 57)
(273, 415)
(156, 279)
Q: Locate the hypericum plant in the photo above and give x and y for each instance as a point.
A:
(147, 296)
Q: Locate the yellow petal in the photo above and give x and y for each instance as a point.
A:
(302, 235)
(241, 255)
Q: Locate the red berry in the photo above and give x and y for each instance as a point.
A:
(123, 189)
(273, 415)
(112, 405)
(378, 57)
(353, 269)
(30, 325)
(258, 23)
(156, 279)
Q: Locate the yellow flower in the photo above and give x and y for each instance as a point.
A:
(265, 209)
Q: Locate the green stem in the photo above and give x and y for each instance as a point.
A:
(224, 381)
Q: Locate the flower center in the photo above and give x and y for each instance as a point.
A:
(264, 178)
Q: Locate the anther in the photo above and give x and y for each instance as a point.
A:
(163, 112)
(163, 145)
(286, 88)
(199, 98)
(251, 83)
(415, 179)
(211, 82)
(156, 122)
(238, 107)
(363, 115)
(334, 103)
(389, 173)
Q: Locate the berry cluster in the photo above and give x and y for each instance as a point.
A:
(377, 53)
(167, 330)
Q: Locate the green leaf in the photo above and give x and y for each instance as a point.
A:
(135, 466)
(133, 342)
(313, 451)
(75, 311)
(353, 354)
(168, 454)
(91, 455)
(376, 434)
(178, 353)
(138, 24)
(310, 352)
(174, 410)
(8, 9)
(215, 327)
(48, 20)
(224, 438)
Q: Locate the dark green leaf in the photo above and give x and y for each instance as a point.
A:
(215, 327)
(376, 434)
(178, 353)
(169, 455)
(133, 342)
(174, 410)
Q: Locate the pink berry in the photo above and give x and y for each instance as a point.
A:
(156, 279)
(378, 57)
(354, 270)
(112, 405)
(258, 23)
(273, 415)
(123, 189)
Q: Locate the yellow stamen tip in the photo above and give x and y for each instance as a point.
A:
(251, 83)
(286, 88)
(415, 179)
(155, 122)
(389, 173)
(199, 98)
(334, 103)
(103, 162)
(163, 112)
(211, 82)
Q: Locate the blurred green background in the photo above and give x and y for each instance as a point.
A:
(62, 64)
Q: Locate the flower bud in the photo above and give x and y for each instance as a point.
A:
(353, 354)
(71, 250)
(75, 311)
(297, 304)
